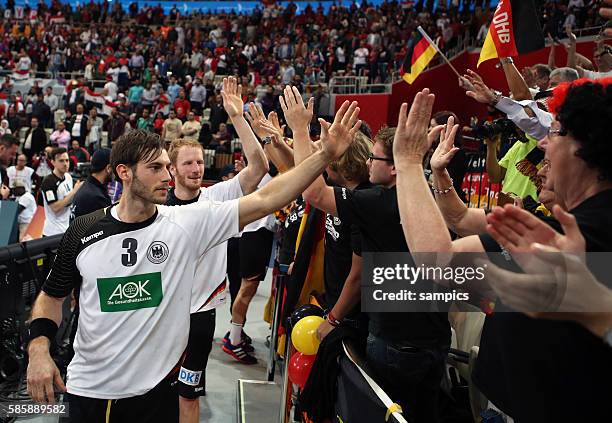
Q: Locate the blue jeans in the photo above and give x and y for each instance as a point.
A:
(410, 376)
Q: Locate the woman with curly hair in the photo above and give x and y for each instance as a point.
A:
(534, 370)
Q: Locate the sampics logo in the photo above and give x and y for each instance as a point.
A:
(130, 293)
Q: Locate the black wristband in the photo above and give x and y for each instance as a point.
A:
(43, 327)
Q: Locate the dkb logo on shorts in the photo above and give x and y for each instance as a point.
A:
(130, 293)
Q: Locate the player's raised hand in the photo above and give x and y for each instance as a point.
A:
(232, 102)
(337, 136)
(257, 119)
(297, 116)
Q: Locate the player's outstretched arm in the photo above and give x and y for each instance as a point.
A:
(286, 187)
(42, 371)
(257, 161)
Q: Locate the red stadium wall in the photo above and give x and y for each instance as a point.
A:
(374, 108)
(379, 109)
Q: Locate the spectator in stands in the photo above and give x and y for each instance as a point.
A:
(51, 100)
(135, 93)
(171, 129)
(58, 191)
(173, 90)
(4, 127)
(287, 72)
(78, 125)
(149, 96)
(61, 136)
(42, 111)
(218, 115)
(111, 88)
(131, 123)
(221, 139)
(602, 57)
(115, 125)
(542, 76)
(191, 128)
(7, 85)
(35, 139)
(16, 105)
(137, 62)
(20, 174)
(197, 96)
(183, 104)
(145, 122)
(79, 153)
(25, 63)
(158, 123)
(561, 75)
(94, 126)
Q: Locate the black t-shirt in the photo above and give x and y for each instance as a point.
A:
(544, 370)
(375, 211)
(173, 200)
(286, 253)
(341, 241)
(90, 197)
(3, 176)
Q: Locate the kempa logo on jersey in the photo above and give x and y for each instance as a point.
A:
(190, 378)
(130, 293)
(92, 236)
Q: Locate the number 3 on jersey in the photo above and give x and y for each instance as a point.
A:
(130, 257)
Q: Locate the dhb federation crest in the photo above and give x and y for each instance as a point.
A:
(157, 252)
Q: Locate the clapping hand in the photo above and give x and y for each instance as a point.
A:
(337, 136)
(411, 141)
(446, 150)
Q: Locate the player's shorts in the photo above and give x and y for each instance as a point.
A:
(160, 404)
(192, 374)
(255, 251)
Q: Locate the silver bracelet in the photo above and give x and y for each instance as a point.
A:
(443, 191)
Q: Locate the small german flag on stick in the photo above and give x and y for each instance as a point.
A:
(419, 55)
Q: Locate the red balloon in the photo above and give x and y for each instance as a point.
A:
(300, 366)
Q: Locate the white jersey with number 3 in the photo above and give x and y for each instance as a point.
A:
(135, 292)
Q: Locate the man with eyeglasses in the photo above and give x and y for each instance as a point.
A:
(406, 350)
(602, 57)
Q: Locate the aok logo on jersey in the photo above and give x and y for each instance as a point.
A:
(130, 293)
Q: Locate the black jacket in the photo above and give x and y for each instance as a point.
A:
(39, 141)
(41, 111)
(91, 196)
(84, 131)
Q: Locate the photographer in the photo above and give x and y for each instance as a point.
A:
(93, 195)
(517, 170)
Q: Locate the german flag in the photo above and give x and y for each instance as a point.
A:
(418, 57)
(514, 30)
